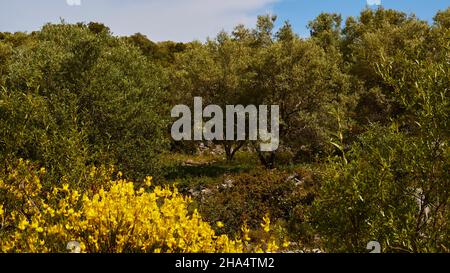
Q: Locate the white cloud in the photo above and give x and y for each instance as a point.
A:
(374, 2)
(73, 2)
(185, 20)
(178, 20)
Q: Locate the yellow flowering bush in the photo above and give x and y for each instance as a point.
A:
(116, 218)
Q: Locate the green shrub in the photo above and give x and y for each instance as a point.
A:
(245, 198)
(394, 190)
(74, 98)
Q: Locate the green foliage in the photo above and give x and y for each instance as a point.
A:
(327, 29)
(76, 96)
(163, 53)
(30, 130)
(262, 67)
(394, 186)
(384, 194)
(245, 198)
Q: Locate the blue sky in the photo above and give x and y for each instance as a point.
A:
(300, 12)
(186, 20)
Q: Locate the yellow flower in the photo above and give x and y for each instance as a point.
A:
(23, 224)
(148, 181)
(246, 232)
(158, 220)
(266, 224)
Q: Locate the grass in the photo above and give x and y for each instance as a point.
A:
(190, 171)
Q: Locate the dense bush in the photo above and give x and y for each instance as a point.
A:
(73, 98)
(393, 186)
(245, 198)
(394, 190)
